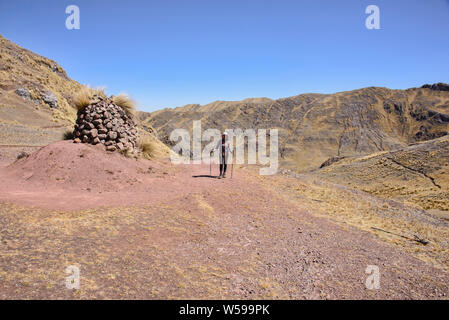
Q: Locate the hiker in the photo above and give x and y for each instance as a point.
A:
(224, 146)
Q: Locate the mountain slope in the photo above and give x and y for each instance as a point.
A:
(35, 97)
(417, 175)
(315, 127)
(36, 100)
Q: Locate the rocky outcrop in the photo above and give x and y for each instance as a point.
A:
(50, 99)
(330, 161)
(437, 86)
(103, 122)
(24, 93)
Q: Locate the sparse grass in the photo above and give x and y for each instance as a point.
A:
(127, 153)
(126, 103)
(68, 135)
(147, 147)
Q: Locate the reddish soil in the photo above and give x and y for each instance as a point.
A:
(68, 176)
(144, 233)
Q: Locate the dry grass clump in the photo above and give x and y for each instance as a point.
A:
(125, 102)
(85, 96)
(148, 147)
(68, 135)
(22, 154)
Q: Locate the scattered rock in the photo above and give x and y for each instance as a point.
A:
(50, 99)
(24, 93)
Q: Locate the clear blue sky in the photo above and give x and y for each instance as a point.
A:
(171, 53)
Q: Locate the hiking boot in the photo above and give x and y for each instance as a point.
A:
(224, 175)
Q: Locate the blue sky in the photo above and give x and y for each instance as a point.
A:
(170, 53)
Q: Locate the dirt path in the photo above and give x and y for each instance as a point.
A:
(187, 237)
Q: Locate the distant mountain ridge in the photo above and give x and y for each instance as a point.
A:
(315, 127)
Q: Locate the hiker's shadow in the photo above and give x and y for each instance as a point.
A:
(205, 176)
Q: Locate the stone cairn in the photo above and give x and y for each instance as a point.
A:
(104, 122)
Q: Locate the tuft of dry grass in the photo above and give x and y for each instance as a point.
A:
(68, 135)
(86, 96)
(126, 103)
(147, 147)
(22, 154)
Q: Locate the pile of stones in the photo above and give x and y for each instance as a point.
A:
(104, 122)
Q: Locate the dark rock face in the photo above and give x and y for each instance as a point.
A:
(103, 122)
(330, 161)
(437, 86)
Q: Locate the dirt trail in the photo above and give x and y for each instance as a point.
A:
(172, 233)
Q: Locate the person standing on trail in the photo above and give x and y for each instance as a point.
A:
(224, 147)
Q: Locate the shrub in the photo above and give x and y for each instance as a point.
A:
(147, 147)
(126, 103)
(22, 154)
(68, 135)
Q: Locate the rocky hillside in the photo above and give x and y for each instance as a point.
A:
(30, 80)
(36, 99)
(316, 127)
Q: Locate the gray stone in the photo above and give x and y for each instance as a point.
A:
(24, 93)
(50, 99)
(112, 135)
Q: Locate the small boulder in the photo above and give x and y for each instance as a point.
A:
(50, 99)
(94, 133)
(112, 135)
(24, 93)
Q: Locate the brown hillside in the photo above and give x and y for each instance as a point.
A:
(315, 127)
(417, 175)
(37, 100)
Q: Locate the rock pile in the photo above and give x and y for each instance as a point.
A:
(104, 122)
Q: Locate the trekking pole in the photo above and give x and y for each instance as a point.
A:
(232, 166)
